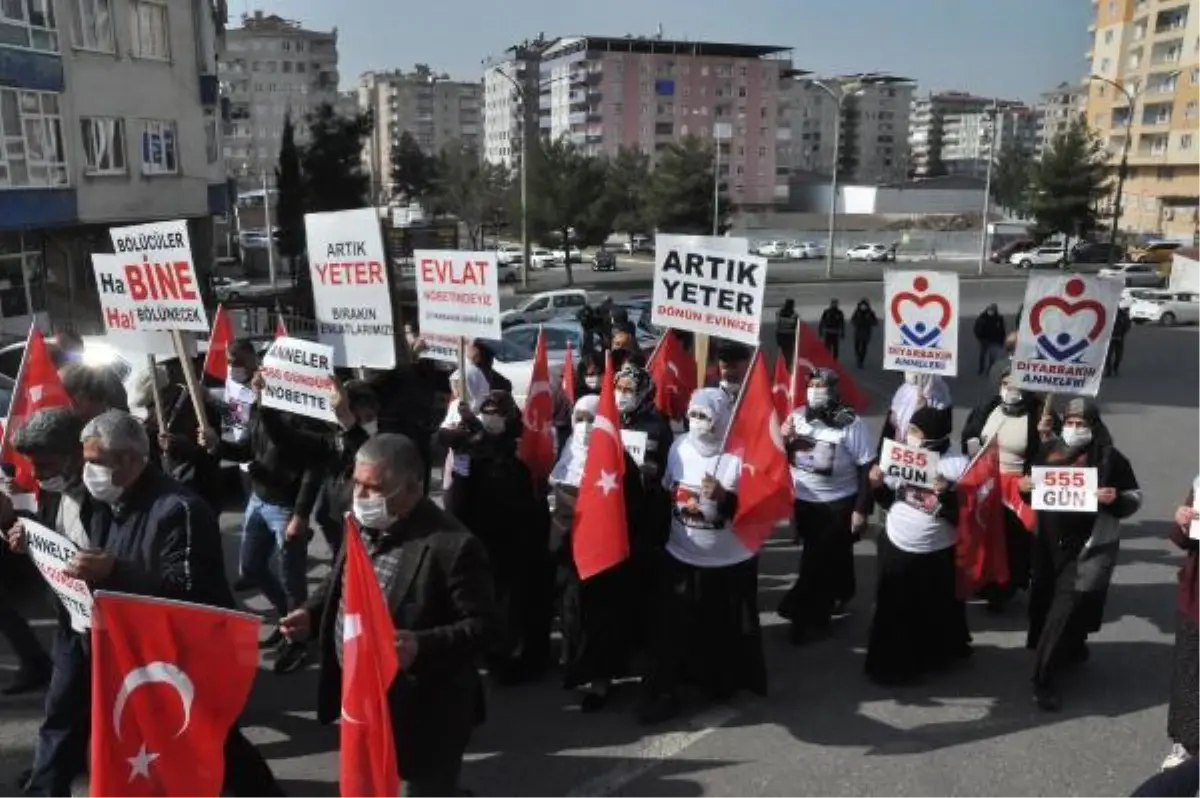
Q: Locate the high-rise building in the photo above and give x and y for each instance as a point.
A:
(1150, 48)
(874, 126)
(971, 141)
(272, 67)
(605, 93)
(434, 109)
(110, 115)
(1057, 110)
(949, 132)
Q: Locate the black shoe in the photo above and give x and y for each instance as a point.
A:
(27, 681)
(1047, 699)
(292, 657)
(273, 640)
(242, 585)
(593, 702)
(657, 710)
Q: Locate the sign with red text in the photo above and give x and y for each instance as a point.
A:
(439, 347)
(52, 552)
(157, 274)
(351, 300)
(708, 285)
(1064, 490)
(920, 327)
(457, 293)
(1065, 329)
(909, 464)
(119, 312)
(298, 378)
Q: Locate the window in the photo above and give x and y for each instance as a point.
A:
(160, 155)
(32, 152)
(1108, 36)
(28, 23)
(151, 30)
(1185, 141)
(212, 141)
(1189, 110)
(1104, 63)
(103, 145)
(91, 25)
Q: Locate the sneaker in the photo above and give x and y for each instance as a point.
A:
(1178, 756)
(27, 681)
(292, 657)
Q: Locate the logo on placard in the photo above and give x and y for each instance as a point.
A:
(922, 317)
(1073, 338)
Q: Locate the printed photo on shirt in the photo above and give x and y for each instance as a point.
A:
(812, 455)
(919, 498)
(693, 510)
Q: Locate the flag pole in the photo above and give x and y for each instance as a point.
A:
(152, 364)
(737, 405)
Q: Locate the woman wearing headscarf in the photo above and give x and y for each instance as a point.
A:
(597, 616)
(1075, 552)
(634, 392)
(864, 322)
(589, 372)
(1183, 716)
(917, 391)
(460, 424)
(919, 622)
(829, 450)
(707, 630)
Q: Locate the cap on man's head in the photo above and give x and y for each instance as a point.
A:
(733, 351)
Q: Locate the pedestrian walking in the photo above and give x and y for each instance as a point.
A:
(1116, 346)
(785, 329)
(864, 321)
(990, 334)
(832, 327)
(1183, 716)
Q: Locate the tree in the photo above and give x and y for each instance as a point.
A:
(681, 191)
(1068, 183)
(627, 192)
(567, 193)
(289, 207)
(469, 188)
(1011, 176)
(412, 170)
(332, 161)
(934, 165)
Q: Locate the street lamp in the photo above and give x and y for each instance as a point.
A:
(839, 98)
(526, 250)
(987, 183)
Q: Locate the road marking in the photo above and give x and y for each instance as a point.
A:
(657, 750)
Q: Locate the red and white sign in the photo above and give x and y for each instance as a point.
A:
(440, 347)
(920, 327)
(1070, 490)
(457, 293)
(350, 287)
(708, 285)
(52, 553)
(298, 378)
(908, 463)
(1065, 330)
(156, 273)
(119, 311)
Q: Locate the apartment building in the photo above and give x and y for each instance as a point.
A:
(434, 109)
(1057, 110)
(605, 93)
(873, 127)
(270, 67)
(1151, 49)
(971, 141)
(953, 129)
(109, 111)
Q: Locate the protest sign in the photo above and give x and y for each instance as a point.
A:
(457, 293)
(920, 327)
(908, 463)
(1070, 490)
(635, 443)
(1065, 329)
(119, 311)
(1194, 527)
(706, 286)
(157, 275)
(439, 347)
(298, 378)
(51, 552)
(351, 300)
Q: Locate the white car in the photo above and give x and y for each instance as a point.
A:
(1168, 309)
(1134, 275)
(876, 253)
(560, 255)
(227, 289)
(509, 254)
(515, 362)
(773, 249)
(540, 258)
(804, 250)
(638, 244)
(508, 271)
(545, 306)
(1131, 295)
(1054, 255)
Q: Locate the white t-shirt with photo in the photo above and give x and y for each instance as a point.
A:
(913, 523)
(699, 536)
(825, 460)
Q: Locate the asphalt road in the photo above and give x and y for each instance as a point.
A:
(825, 730)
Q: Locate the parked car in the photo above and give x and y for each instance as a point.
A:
(1134, 275)
(509, 253)
(515, 362)
(545, 306)
(1131, 295)
(1154, 252)
(1054, 255)
(508, 271)
(559, 256)
(540, 258)
(1168, 309)
(803, 250)
(227, 289)
(639, 244)
(604, 260)
(871, 252)
(1004, 253)
(772, 249)
(1096, 252)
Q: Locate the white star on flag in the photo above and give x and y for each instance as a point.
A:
(607, 481)
(140, 765)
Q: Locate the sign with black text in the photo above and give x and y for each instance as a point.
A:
(908, 463)
(120, 311)
(920, 327)
(706, 286)
(634, 442)
(1065, 330)
(298, 378)
(52, 552)
(157, 277)
(1070, 490)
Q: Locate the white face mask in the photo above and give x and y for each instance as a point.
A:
(582, 431)
(731, 388)
(914, 441)
(701, 426)
(370, 427)
(592, 381)
(491, 423)
(98, 481)
(1010, 396)
(818, 398)
(239, 374)
(1076, 437)
(55, 484)
(626, 401)
(372, 512)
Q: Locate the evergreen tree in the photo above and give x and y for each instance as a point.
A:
(468, 188)
(566, 193)
(289, 207)
(1011, 177)
(934, 165)
(412, 170)
(332, 161)
(681, 191)
(1068, 183)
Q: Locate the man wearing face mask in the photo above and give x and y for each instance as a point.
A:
(733, 361)
(832, 327)
(357, 409)
(437, 583)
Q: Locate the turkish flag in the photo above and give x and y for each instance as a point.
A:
(980, 554)
(811, 353)
(599, 532)
(537, 438)
(568, 376)
(37, 388)
(216, 359)
(169, 680)
(764, 491)
(781, 389)
(369, 666)
(280, 327)
(674, 374)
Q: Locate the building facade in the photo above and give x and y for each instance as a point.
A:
(1151, 48)
(1057, 109)
(110, 113)
(604, 94)
(950, 132)
(272, 67)
(434, 109)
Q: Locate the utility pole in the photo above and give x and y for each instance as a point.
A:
(987, 186)
(270, 228)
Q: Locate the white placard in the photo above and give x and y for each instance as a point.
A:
(1194, 527)
(298, 378)
(51, 553)
(119, 312)
(157, 274)
(1066, 324)
(351, 299)
(457, 293)
(908, 463)
(1071, 490)
(708, 286)
(635, 443)
(439, 347)
(920, 328)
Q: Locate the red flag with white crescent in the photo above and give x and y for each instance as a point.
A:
(674, 375)
(781, 389)
(811, 353)
(536, 447)
(568, 376)
(980, 553)
(599, 532)
(38, 387)
(216, 359)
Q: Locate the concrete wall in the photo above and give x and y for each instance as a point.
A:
(870, 200)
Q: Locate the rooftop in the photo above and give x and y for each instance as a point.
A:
(260, 24)
(655, 44)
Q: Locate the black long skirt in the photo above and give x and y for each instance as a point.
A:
(1183, 716)
(826, 563)
(597, 619)
(919, 622)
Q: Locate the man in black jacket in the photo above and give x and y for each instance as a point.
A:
(357, 408)
(990, 333)
(1116, 346)
(832, 327)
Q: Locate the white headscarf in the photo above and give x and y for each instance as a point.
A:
(717, 405)
(569, 468)
(478, 387)
(907, 398)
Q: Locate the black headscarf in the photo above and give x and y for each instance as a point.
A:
(502, 404)
(1029, 401)
(1095, 452)
(935, 424)
(643, 387)
(837, 414)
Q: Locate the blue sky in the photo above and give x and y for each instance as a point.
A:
(1009, 48)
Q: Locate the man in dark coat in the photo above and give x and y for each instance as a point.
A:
(832, 327)
(437, 582)
(990, 333)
